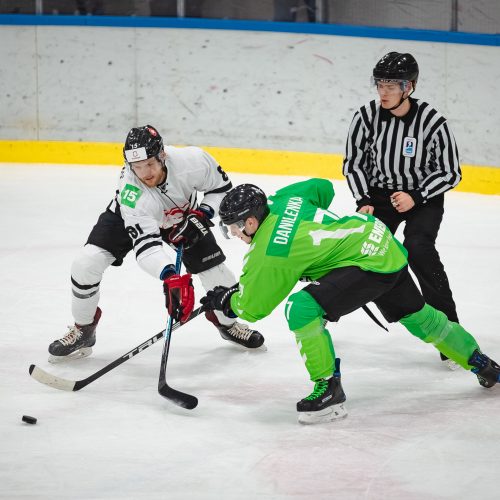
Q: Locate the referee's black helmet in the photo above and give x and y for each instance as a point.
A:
(396, 66)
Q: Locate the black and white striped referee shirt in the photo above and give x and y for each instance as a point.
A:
(415, 153)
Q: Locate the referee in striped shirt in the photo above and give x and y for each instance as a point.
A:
(401, 157)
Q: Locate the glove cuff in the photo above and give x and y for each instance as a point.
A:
(229, 312)
(206, 210)
(167, 272)
(417, 197)
(227, 308)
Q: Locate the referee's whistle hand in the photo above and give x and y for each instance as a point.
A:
(402, 202)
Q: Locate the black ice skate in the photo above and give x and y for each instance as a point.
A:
(237, 332)
(486, 370)
(326, 401)
(77, 343)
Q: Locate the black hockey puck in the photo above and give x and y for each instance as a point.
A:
(29, 420)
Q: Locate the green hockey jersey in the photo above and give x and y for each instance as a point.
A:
(301, 238)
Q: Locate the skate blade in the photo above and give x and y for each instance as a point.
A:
(262, 348)
(80, 353)
(335, 412)
(451, 365)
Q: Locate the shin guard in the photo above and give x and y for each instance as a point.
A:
(305, 319)
(450, 338)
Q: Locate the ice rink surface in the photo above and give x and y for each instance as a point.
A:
(415, 429)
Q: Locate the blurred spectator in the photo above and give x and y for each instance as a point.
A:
(94, 7)
(168, 8)
(290, 10)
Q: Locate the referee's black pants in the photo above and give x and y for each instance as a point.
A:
(420, 233)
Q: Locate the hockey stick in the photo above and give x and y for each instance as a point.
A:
(75, 385)
(177, 397)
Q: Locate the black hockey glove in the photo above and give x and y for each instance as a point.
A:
(219, 299)
(194, 227)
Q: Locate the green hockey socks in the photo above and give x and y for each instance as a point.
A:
(305, 319)
(450, 338)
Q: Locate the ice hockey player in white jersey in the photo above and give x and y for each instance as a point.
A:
(156, 202)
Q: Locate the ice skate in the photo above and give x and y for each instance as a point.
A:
(238, 333)
(77, 343)
(326, 403)
(486, 370)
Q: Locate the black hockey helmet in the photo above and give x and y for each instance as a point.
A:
(242, 202)
(142, 143)
(397, 66)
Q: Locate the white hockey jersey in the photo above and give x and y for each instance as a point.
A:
(145, 210)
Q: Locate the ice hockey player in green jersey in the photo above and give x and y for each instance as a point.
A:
(349, 261)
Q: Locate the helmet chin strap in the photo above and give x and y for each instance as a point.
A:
(255, 232)
(248, 235)
(163, 162)
(402, 99)
(164, 168)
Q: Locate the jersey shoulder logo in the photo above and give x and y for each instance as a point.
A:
(129, 195)
(409, 146)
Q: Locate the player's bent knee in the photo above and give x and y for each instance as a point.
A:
(217, 275)
(301, 309)
(89, 265)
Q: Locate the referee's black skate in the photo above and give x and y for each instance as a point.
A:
(486, 370)
(238, 333)
(326, 402)
(77, 343)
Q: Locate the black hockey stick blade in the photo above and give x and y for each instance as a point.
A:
(179, 398)
(63, 384)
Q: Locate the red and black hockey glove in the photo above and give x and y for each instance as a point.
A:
(179, 296)
(219, 299)
(195, 226)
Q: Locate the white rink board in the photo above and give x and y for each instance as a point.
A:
(243, 89)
